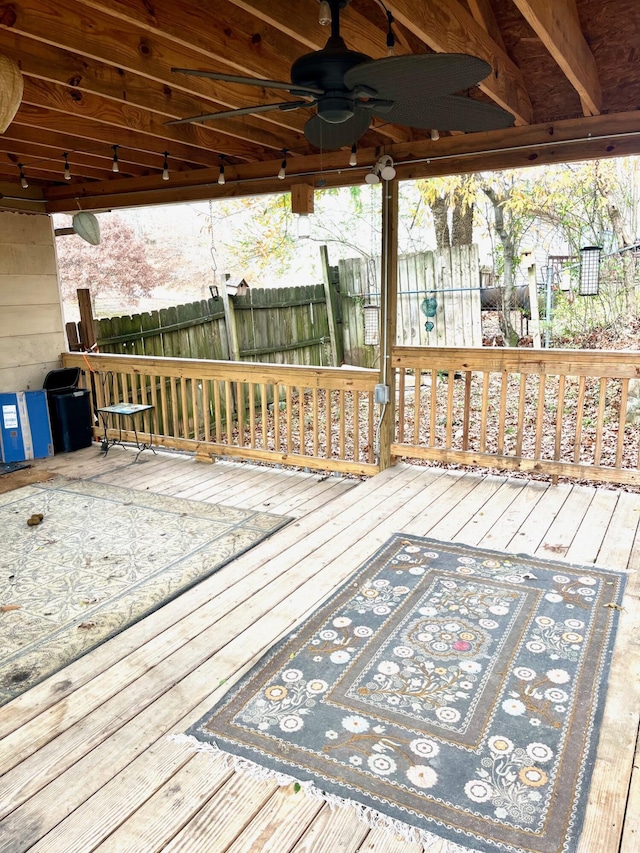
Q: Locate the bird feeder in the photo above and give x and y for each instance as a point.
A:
(371, 324)
(590, 270)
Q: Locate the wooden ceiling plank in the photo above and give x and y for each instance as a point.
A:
(53, 64)
(76, 103)
(482, 12)
(98, 37)
(558, 27)
(446, 26)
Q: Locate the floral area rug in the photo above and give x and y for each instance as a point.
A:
(449, 693)
(100, 558)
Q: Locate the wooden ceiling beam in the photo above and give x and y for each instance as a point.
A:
(55, 65)
(447, 27)
(558, 27)
(482, 12)
(88, 34)
(597, 137)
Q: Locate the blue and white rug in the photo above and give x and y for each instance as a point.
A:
(448, 692)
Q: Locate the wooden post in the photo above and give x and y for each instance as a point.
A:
(87, 323)
(388, 317)
(534, 308)
(230, 324)
(335, 330)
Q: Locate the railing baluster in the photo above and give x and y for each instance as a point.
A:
(252, 415)
(265, 416)
(228, 401)
(185, 407)
(540, 416)
(502, 417)
(449, 425)
(521, 410)
(484, 411)
(174, 405)
(206, 415)
(371, 437)
(195, 408)
(417, 406)
(217, 411)
(622, 419)
(577, 442)
(467, 410)
(401, 398)
(316, 435)
(355, 402)
(434, 407)
(240, 412)
(602, 402)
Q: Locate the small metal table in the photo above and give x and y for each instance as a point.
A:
(123, 410)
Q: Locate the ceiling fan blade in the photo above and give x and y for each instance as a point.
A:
(249, 81)
(245, 111)
(328, 137)
(426, 75)
(449, 112)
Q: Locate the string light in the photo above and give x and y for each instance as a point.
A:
(115, 167)
(221, 178)
(353, 159)
(165, 167)
(67, 170)
(283, 166)
(435, 135)
(23, 181)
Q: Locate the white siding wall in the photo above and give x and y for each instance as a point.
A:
(31, 329)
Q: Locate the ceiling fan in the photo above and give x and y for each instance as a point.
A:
(348, 89)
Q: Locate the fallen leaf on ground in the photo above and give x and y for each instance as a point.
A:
(86, 625)
(6, 608)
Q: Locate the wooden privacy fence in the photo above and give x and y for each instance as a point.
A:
(557, 412)
(283, 325)
(320, 418)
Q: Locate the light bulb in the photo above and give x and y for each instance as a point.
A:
(435, 136)
(221, 178)
(388, 173)
(353, 159)
(115, 166)
(324, 15)
(372, 177)
(24, 183)
(165, 167)
(282, 173)
(67, 169)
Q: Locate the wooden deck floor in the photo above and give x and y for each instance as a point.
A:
(86, 761)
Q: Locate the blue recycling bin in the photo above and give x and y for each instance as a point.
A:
(25, 429)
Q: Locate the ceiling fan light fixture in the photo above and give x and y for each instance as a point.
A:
(385, 168)
(324, 14)
(372, 177)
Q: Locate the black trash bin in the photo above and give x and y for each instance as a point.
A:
(69, 410)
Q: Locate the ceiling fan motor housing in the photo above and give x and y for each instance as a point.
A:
(325, 69)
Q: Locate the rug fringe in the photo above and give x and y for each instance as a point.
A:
(371, 817)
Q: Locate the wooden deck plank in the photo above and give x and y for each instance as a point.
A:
(501, 534)
(97, 771)
(631, 829)
(589, 537)
(160, 818)
(562, 531)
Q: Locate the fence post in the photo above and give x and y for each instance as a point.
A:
(230, 324)
(87, 323)
(388, 317)
(337, 351)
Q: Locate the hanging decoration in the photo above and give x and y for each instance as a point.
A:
(11, 89)
(86, 226)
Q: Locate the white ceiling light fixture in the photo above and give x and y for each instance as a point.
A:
(11, 90)
(383, 170)
(86, 225)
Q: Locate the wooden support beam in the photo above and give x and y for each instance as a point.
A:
(446, 26)
(558, 26)
(335, 330)
(388, 317)
(302, 198)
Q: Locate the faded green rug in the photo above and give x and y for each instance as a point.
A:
(101, 559)
(451, 694)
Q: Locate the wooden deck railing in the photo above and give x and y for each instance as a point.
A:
(558, 412)
(320, 418)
